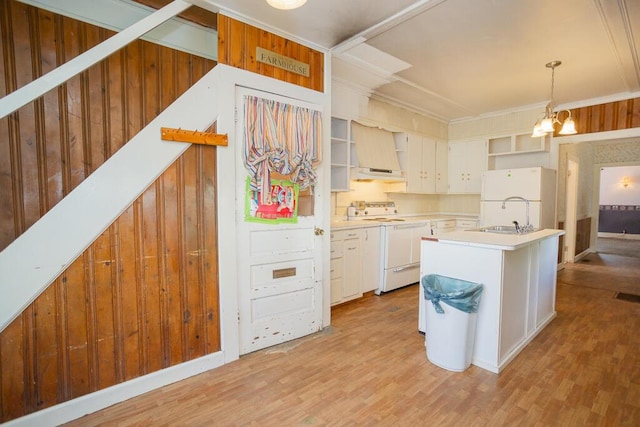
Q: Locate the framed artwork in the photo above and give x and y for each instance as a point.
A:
(283, 206)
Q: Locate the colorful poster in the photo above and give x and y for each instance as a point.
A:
(283, 206)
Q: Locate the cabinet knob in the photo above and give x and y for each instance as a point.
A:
(318, 231)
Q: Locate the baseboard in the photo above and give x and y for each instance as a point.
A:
(620, 236)
(76, 408)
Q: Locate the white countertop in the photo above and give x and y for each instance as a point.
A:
(506, 242)
(344, 224)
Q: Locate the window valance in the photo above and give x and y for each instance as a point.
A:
(282, 138)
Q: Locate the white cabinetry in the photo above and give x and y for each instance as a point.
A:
(466, 224)
(425, 163)
(518, 297)
(442, 226)
(467, 161)
(346, 265)
(342, 154)
(370, 258)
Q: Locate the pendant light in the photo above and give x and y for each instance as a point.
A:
(286, 4)
(546, 121)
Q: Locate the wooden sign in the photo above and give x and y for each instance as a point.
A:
(280, 61)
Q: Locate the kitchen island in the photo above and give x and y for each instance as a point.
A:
(518, 273)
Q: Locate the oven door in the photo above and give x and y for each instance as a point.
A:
(402, 255)
(398, 250)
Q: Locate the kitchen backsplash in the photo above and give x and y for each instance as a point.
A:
(407, 204)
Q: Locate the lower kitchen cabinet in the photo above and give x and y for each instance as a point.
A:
(466, 224)
(346, 265)
(370, 258)
(442, 226)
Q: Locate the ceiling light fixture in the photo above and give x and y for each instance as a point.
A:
(546, 121)
(286, 4)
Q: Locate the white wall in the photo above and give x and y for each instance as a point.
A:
(612, 192)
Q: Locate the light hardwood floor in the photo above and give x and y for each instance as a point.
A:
(370, 368)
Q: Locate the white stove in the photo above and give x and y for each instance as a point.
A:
(399, 243)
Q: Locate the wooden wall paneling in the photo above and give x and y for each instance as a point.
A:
(114, 108)
(168, 77)
(12, 387)
(211, 297)
(77, 345)
(150, 281)
(236, 51)
(46, 352)
(51, 108)
(24, 157)
(635, 113)
(610, 116)
(237, 44)
(118, 306)
(29, 376)
(103, 265)
(73, 45)
(128, 284)
(252, 38)
(7, 229)
(94, 106)
(191, 279)
(172, 273)
(117, 312)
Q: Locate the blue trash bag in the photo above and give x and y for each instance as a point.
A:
(460, 294)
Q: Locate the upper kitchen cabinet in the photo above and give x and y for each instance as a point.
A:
(467, 161)
(424, 161)
(342, 154)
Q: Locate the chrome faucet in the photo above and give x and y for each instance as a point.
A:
(520, 229)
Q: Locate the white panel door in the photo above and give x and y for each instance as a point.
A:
(279, 265)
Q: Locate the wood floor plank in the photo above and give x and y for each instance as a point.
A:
(370, 368)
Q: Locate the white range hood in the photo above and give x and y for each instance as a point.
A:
(376, 153)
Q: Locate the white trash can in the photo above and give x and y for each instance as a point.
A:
(450, 336)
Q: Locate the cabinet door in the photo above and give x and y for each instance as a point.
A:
(457, 168)
(428, 166)
(352, 269)
(414, 164)
(371, 264)
(476, 164)
(467, 161)
(442, 159)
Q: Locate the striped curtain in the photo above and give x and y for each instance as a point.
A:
(280, 138)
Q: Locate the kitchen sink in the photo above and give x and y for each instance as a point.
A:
(502, 229)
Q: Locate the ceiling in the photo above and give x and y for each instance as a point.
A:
(455, 59)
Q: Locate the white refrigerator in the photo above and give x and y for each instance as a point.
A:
(535, 184)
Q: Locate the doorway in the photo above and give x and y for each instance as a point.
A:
(618, 197)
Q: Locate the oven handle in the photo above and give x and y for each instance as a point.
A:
(415, 225)
(406, 267)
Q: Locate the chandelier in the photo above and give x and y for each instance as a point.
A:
(286, 4)
(546, 121)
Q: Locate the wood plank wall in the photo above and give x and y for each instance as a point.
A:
(607, 117)
(237, 44)
(144, 295)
